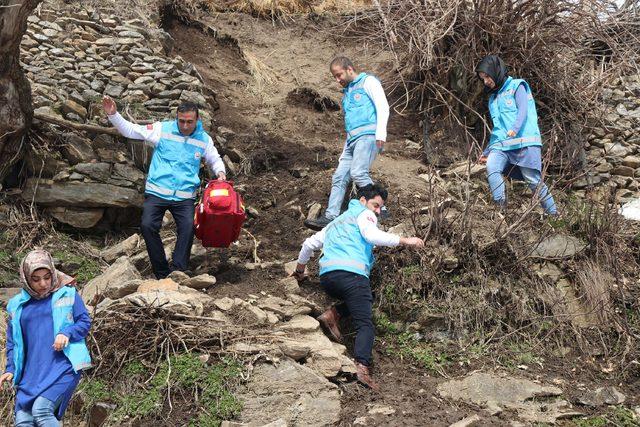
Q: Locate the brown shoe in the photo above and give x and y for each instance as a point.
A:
(329, 321)
(364, 377)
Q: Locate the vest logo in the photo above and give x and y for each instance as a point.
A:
(509, 102)
(197, 155)
(357, 97)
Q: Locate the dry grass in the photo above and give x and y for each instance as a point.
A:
(272, 8)
(262, 74)
(596, 286)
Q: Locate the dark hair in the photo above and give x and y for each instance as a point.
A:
(372, 190)
(185, 107)
(342, 61)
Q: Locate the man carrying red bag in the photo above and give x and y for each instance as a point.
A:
(172, 182)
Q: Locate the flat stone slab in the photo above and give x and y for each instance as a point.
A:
(558, 246)
(290, 392)
(602, 396)
(532, 402)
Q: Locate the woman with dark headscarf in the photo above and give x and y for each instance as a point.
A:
(515, 144)
(46, 349)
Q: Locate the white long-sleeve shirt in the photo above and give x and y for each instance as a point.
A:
(152, 133)
(368, 225)
(374, 90)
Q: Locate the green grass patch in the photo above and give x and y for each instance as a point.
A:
(384, 325)
(185, 375)
(407, 346)
(618, 417)
(518, 353)
(410, 270)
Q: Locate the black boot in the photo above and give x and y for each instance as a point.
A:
(318, 223)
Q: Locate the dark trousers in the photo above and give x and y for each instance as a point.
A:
(153, 211)
(355, 293)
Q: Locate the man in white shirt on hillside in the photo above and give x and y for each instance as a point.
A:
(172, 182)
(347, 257)
(366, 113)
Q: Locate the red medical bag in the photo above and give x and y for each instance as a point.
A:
(219, 216)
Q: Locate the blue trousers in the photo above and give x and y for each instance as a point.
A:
(41, 415)
(497, 161)
(355, 293)
(153, 211)
(354, 163)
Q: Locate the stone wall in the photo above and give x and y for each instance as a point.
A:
(613, 149)
(72, 59)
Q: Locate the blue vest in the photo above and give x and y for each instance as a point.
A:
(344, 247)
(173, 174)
(503, 109)
(359, 110)
(62, 312)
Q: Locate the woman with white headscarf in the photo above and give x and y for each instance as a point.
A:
(46, 349)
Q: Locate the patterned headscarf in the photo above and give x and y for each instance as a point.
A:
(42, 259)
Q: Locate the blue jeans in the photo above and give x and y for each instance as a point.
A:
(153, 210)
(357, 301)
(41, 415)
(354, 165)
(497, 161)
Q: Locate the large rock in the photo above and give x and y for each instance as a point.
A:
(558, 246)
(81, 194)
(128, 173)
(70, 106)
(116, 282)
(301, 323)
(77, 217)
(161, 285)
(616, 149)
(97, 171)
(321, 354)
(125, 247)
(602, 396)
(77, 149)
(291, 392)
(181, 301)
(202, 281)
(531, 401)
(284, 308)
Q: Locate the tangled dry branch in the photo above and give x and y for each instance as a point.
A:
(567, 50)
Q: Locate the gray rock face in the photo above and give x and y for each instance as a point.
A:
(531, 401)
(175, 299)
(126, 247)
(602, 396)
(79, 194)
(77, 149)
(202, 281)
(77, 217)
(97, 171)
(558, 246)
(117, 281)
(291, 392)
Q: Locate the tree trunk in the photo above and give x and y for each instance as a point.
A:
(16, 112)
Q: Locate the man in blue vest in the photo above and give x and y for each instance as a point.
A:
(515, 144)
(172, 182)
(347, 257)
(366, 113)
